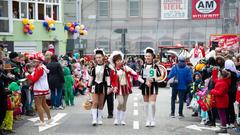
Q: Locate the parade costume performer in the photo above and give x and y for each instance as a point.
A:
(149, 86)
(40, 88)
(99, 84)
(122, 87)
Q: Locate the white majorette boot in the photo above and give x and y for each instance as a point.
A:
(122, 118)
(94, 117)
(148, 122)
(152, 114)
(117, 119)
(99, 118)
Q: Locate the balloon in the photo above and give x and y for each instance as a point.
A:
(75, 31)
(26, 26)
(47, 19)
(31, 27)
(51, 25)
(45, 24)
(73, 25)
(85, 32)
(66, 27)
(68, 24)
(25, 30)
(71, 29)
(82, 26)
(52, 21)
(25, 21)
(77, 28)
(76, 24)
(49, 22)
(53, 29)
(30, 32)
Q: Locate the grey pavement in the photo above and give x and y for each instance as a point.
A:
(77, 121)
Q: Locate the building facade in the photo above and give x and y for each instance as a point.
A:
(142, 19)
(12, 36)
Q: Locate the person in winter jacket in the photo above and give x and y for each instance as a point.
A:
(231, 116)
(4, 79)
(184, 76)
(40, 88)
(68, 86)
(56, 82)
(220, 93)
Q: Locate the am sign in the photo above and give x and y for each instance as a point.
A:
(205, 9)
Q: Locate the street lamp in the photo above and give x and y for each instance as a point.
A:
(123, 33)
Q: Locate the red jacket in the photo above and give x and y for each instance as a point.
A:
(220, 90)
(114, 78)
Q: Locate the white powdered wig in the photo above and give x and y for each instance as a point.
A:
(98, 49)
(149, 48)
(110, 59)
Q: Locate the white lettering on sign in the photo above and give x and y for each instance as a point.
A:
(206, 6)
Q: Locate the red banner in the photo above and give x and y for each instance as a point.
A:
(205, 9)
(230, 41)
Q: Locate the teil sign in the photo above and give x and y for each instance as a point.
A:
(205, 9)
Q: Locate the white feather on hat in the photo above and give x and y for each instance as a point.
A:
(149, 48)
(99, 49)
(110, 59)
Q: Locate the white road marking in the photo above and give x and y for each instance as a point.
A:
(52, 124)
(135, 112)
(135, 104)
(195, 127)
(135, 124)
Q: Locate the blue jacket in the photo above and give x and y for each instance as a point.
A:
(184, 75)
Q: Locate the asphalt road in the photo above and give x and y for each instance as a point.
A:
(76, 121)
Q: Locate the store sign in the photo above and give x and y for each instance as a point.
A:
(205, 9)
(174, 9)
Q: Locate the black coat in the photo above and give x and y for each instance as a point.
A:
(55, 76)
(3, 93)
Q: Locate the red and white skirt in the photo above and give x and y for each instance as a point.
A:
(124, 90)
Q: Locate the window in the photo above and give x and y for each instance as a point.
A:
(103, 8)
(48, 11)
(134, 8)
(104, 45)
(24, 10)
(5, 16)
(40, 11)
(55, 12)
(3, 9)
(15, 9)
(31, 11)
(36, 9)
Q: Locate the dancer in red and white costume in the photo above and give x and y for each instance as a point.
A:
(99, 85)
(122, 87)
(40, 88)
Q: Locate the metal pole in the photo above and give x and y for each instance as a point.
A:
(124, 42)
